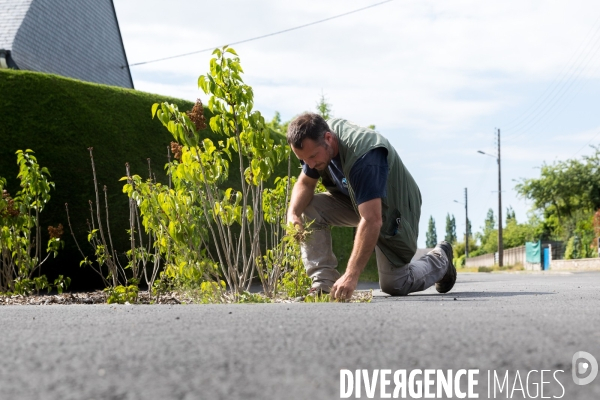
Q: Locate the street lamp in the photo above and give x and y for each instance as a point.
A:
(500, 244)
(467, 223)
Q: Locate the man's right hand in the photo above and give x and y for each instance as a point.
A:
(295, 219)
(302, 194)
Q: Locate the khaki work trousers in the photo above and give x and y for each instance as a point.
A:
(327, 210)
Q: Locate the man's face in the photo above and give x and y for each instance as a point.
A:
(316, 155)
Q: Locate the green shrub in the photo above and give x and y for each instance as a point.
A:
(20, 230)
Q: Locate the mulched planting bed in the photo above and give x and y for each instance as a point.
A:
(99, 297)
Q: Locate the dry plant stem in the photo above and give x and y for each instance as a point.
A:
(7, 264)
(276, 233)
(210, 196)
(226, 267)
(145, 255)
(244, 198)
(131, 224)
(155, 267)
(92, 216)
(79, 248)
(71, 229)
(111, 264)
(38, 241)
(112, 251)
(258, 218)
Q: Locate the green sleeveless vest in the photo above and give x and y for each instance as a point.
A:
(401, 209)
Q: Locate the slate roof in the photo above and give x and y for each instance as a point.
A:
(78, 39)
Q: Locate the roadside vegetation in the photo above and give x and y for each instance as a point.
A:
(203, 231)
(565, 208)
(206, 219)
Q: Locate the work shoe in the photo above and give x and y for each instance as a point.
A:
(447, 282)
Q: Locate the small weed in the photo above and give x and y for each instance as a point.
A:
(122, 294)
(247, 297)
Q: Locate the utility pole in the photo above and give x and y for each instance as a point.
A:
(500, 244)
(467, 226)
(466, 204)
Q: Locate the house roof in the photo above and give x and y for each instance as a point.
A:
(78, 39)
(12, 13)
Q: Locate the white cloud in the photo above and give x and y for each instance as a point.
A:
(434, 77)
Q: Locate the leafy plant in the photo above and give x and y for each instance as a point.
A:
(320, 298)
(195, 211)
(122, 294)
(247, 297)
(20, 230)
(296, 283)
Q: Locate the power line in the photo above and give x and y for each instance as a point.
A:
(262, 36)
(553, 102)
(561, 87)
(576, 55)
(540, 128)
(587, 144)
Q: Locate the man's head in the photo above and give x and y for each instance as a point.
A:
(312, 141)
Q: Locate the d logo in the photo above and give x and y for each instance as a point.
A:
(582, 363)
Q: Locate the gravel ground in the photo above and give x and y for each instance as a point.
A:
(99, 297)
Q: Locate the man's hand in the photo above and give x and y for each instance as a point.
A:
(364, 243)
(302, 194)
(295, 219)
(343, 288)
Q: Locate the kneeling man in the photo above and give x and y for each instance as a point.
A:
(368, 187)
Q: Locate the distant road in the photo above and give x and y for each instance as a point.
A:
(497, 322)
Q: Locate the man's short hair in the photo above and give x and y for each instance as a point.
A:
(307, 126)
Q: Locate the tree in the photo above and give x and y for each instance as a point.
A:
(490, 222)
(431, 236)
(324, 108)
(563, 189)
(276, 124)
(566, 194)
(488, 238)
(510, 215)
(450, 229)
(469, 230)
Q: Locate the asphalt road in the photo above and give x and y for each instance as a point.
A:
(502, 323)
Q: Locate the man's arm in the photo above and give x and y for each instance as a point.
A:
(302, 194)
(364, 243)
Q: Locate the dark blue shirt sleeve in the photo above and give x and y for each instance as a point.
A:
(368, 176)
(311, 172)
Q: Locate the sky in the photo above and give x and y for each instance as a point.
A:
(436, 78)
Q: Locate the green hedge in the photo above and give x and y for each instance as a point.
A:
(59, 118)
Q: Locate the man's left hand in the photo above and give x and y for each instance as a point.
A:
(343, 288)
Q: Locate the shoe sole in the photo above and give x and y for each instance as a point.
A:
(451, 271)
